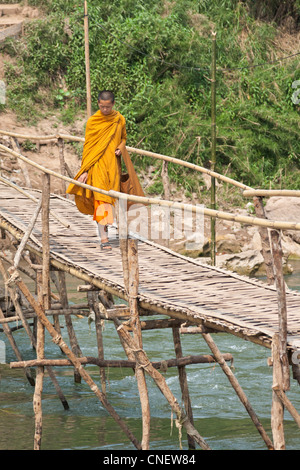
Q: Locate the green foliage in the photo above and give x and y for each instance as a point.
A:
(156, 56)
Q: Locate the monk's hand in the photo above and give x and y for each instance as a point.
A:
(118, 152)
(82, 178)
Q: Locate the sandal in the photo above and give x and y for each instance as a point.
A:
(105, 246)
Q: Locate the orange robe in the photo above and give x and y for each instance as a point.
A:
(104, 134)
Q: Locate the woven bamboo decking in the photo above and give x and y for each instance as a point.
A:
(169, 283)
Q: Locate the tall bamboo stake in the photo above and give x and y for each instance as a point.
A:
(94, 306)
(37, 396)
(129, 251)
(62, 164)
(277, 410)
(71, 332)
(213, 147)
(46, 241)
(183, 383)
(265, 240)
(87, 61)
(282, 308)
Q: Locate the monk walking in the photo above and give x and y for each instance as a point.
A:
(105, 140)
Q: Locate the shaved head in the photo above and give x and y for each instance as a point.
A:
(106, 95)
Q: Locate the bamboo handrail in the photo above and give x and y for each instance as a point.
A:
(145, 153)
(27, 194)
(271, 192)
(161, 202)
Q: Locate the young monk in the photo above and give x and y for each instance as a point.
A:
(105, 139)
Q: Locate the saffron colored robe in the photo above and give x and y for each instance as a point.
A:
(104, 134)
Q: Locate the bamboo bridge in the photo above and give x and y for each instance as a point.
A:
(152, 280)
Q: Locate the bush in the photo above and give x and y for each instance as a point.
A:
(156, 56)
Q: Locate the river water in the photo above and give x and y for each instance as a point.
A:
(218, 414)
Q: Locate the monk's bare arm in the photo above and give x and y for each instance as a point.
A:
(119, 150)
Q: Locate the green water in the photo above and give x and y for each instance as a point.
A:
(218, 414)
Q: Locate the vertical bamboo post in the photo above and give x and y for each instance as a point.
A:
(165, 179)
(71, 332)
(62, 164)
(277, 411)
(46, 241)
(87, 61)
(37, 396)
(213, 148)
(55, 317)
(129, 253)
(93, 302)
(183, 383)
(282, 308)
(236, 386)
(265, 240)
(23, 166)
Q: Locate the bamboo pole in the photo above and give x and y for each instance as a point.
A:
(71, 332)
(286, 403)
(265, 241)
(282, 308)
(213, 148)
(40, 347)
(129, 252)
(16, 147)
(277, 410)
(46, 242)
(271, 192)
(173, 205)
(165, 179)
(94, 307)
(56, 323)
(62, 164)
(141, 152)
(87, 61)
(27, 233)
(183, 383)
(118, 363)
(57, 339)
(248, 191)
(236, 386)
(143, 361)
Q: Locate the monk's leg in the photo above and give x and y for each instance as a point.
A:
(104, 217)
(103, 232)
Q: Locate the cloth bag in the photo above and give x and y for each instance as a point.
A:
(129, 182)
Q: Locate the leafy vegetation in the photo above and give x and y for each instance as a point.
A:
(156, 56)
